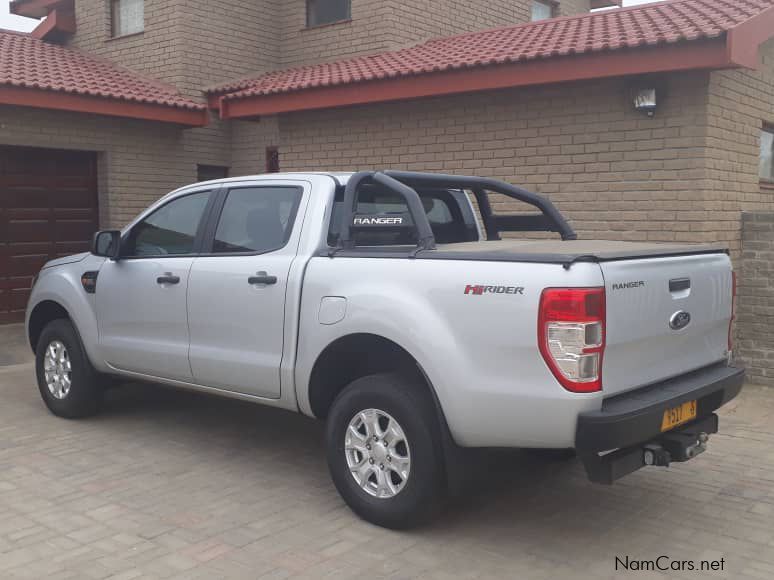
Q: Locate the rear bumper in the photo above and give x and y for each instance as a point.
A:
(631, 421)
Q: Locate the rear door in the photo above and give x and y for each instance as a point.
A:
(236, 294)
(665, 317)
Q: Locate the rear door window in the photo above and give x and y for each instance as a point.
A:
(256, 219)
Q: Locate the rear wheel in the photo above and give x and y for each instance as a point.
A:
(67, 382)
(384, 452)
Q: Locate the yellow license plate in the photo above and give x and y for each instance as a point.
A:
(678, 415)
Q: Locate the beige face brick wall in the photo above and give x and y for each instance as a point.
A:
(740, 102)
(250, 140)
(197, 43)
(139, 161)
(755, 299)
(379, 25)
(191, 44)
(573, 7)
(227, 40)
(413, 22)
(367, 32)
(615, 172)
(156, 51)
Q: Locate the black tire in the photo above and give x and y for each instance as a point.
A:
(412, 407)
(85, 392)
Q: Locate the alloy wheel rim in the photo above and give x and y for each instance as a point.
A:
(58, 369)
(378, 453)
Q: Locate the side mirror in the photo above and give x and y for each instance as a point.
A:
(106, 243)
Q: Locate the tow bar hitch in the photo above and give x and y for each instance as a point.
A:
(675, 447)
(681, 444)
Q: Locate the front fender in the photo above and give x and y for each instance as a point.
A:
(62, 285)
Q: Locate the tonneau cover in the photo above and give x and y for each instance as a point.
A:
(564, 252)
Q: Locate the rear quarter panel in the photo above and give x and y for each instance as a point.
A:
(479, 351)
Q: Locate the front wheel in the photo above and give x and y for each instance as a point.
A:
(384, 451)
(67, 382)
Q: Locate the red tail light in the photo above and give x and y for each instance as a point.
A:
(571, 336)
(733, 313)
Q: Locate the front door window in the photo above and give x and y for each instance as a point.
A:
(170, 230)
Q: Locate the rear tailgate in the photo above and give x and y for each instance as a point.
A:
(665, 317)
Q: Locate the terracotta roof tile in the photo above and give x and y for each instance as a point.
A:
(26, 62)
(648, 25)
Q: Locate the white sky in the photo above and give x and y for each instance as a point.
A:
(13, 22)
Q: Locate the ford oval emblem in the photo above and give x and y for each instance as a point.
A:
(680, 320)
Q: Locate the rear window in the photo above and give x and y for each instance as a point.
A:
(441, 207)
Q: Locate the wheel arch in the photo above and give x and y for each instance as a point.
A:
(328, 365)
(357, 355)
(44, 312)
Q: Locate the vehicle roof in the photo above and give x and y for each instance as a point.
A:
(341, 178)
(338, 176)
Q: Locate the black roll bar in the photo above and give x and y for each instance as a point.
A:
(404, 183)
(550, 220)
(425, 237)
(485, 209)
(426, 240)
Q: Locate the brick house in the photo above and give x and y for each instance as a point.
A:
(108, 104)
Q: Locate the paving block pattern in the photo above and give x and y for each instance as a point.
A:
(168, 484)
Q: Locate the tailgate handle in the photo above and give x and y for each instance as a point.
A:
(679, 284)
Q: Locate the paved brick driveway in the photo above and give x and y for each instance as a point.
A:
(167, 484)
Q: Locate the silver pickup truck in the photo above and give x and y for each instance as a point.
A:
(388, 305)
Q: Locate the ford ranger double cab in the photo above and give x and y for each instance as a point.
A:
(389, 305)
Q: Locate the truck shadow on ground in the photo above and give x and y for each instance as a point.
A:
(503, 485)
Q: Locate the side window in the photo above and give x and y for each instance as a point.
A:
(256, 219)
(171, 229)
(128, 17)
(437, 211)
(542, 10)
(767, 154)
(319, 12)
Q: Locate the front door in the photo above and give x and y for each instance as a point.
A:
(141, 298)
(236, 294)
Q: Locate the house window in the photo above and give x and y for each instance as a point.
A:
(542, 10)
(767, 154)
(208, 172)
(319, 12)
(128, 16)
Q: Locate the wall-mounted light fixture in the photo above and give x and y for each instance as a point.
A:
(645, 101)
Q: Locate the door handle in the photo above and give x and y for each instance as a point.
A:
(168, 278)
(262, 278)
